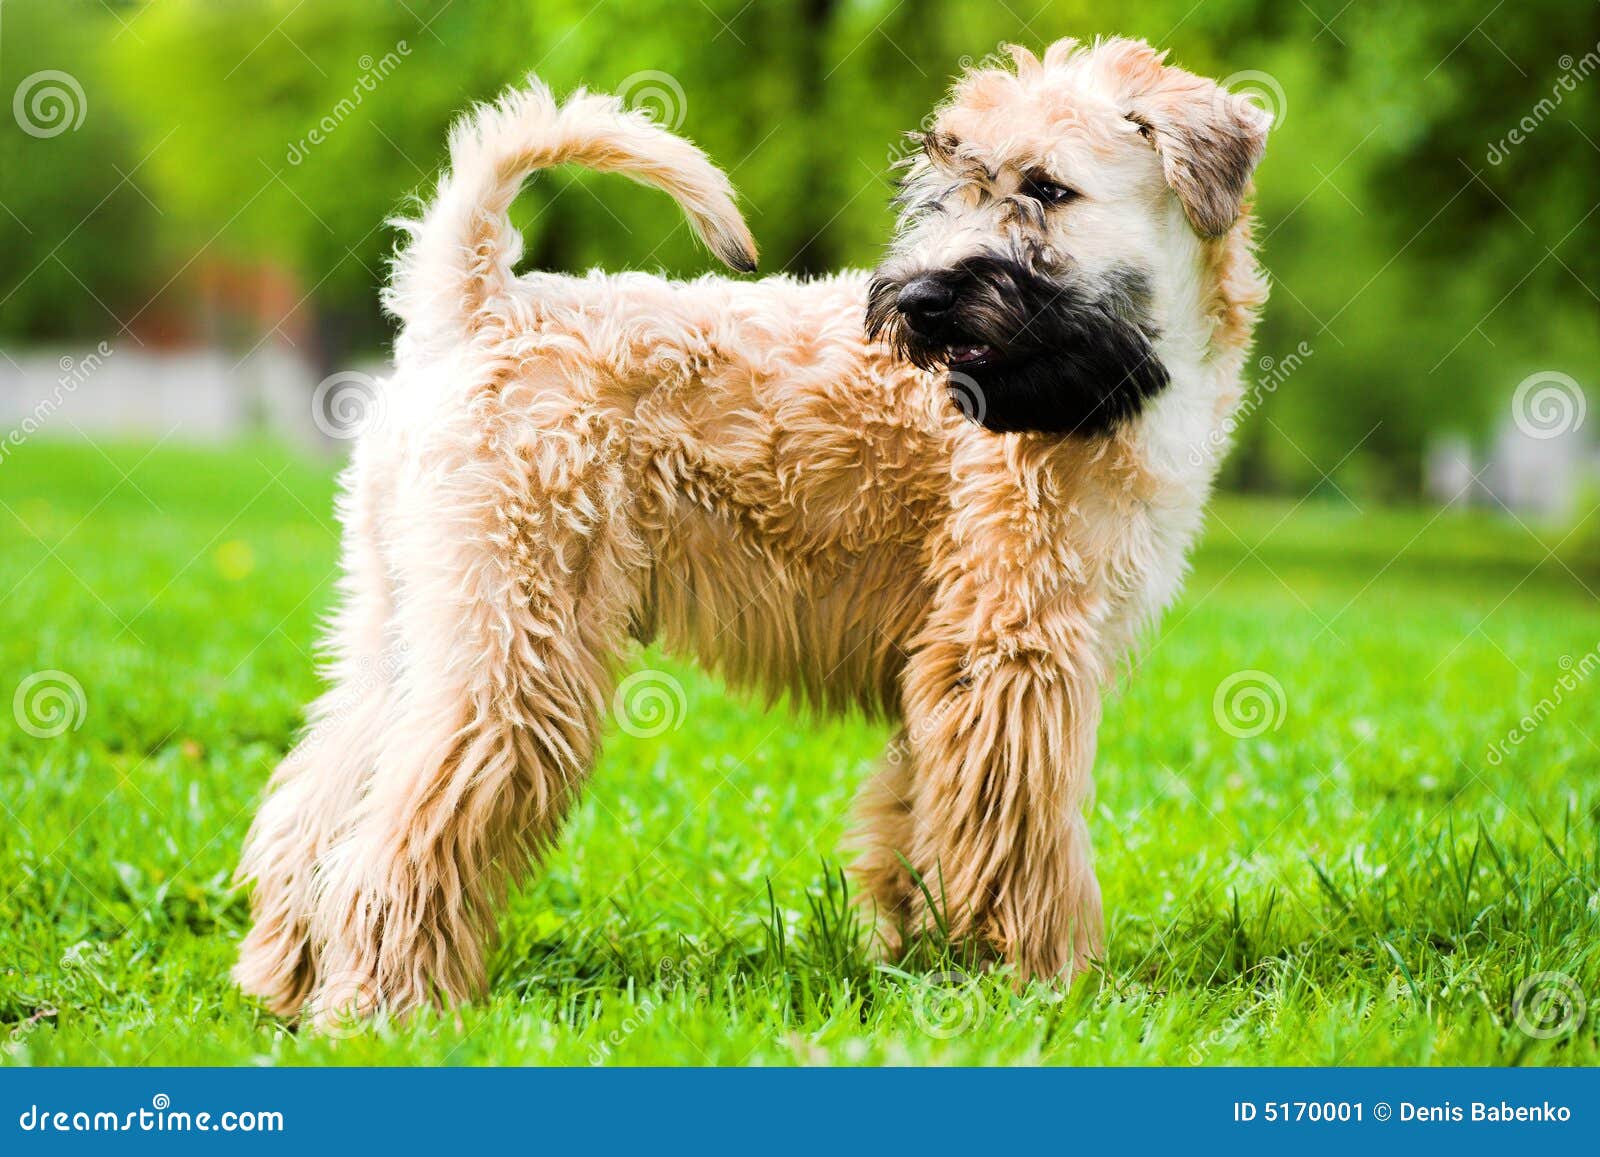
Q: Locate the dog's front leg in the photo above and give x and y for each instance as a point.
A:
(1002, 745)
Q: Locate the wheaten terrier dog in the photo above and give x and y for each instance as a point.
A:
(947, 493)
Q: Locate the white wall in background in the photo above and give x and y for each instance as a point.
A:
(123, 391)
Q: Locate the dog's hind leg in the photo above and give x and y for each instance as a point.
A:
(884, 832)
(519, 574)
(315, 789)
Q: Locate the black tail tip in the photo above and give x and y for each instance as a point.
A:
(737, 258)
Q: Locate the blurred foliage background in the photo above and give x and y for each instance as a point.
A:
(1426, 261)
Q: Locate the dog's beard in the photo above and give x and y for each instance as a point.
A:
(1026, 352)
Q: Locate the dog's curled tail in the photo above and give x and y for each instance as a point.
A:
(462, 251)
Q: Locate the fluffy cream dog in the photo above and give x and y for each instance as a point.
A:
(947, 494)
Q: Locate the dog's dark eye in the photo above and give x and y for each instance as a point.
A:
(1048, 192)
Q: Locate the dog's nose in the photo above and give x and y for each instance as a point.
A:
(925, 299)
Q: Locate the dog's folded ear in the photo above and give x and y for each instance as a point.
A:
(1209, 140)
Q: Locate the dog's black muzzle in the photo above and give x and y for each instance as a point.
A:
(1025, 351)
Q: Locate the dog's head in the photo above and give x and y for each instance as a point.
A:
(1039, 230)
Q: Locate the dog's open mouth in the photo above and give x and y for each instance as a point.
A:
(968, 356)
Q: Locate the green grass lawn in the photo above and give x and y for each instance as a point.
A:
(1363, 884)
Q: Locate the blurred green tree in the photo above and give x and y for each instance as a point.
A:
(1425, 259)
(75, 220)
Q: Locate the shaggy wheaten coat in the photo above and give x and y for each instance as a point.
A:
(561, 465)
